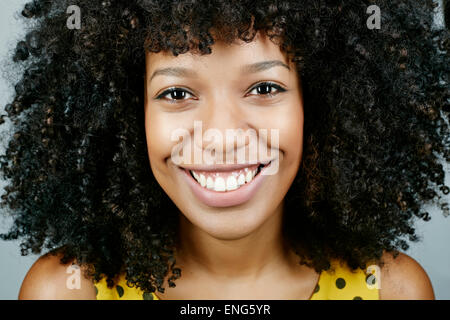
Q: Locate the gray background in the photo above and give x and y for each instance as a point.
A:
(432, 253)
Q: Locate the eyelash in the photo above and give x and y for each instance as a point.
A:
(266, 83)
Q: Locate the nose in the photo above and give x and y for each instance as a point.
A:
(224, 128)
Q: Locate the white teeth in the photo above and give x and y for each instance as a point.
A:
(219, 184)
(210, 183)
(249, 176)
(241, 180)
(232, 183)
(202, 180)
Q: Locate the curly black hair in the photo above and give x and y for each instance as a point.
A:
(376, 132)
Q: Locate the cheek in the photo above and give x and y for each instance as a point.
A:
(291, 134)
(158, 130)
(288, 121)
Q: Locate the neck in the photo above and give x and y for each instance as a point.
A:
(246, 257)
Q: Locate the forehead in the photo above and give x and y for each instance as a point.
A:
(223, 55)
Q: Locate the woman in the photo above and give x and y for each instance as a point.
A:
(356, 123)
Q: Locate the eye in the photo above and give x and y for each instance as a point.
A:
(266, 89)
(174, 94)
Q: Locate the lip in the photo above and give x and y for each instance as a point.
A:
(223, 199)
(221, 167)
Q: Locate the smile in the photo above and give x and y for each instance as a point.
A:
(223, 186)
(226, 180)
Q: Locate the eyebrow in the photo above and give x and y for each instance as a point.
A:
(263, 65)
(190, 73)
(175, 72)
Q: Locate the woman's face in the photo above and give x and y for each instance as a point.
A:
(225, 145)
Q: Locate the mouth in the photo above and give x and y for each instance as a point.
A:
(224, 181)
(224, 186)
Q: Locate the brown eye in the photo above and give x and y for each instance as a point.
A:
(173, 95)
(266, 89)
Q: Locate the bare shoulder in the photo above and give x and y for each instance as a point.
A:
(403, 278)
(48, 279)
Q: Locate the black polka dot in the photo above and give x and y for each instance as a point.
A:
(96, 291)
(370, 279)
(317, 288)
(340, 283)
(147, 296)
(357, 298)
(119, 290)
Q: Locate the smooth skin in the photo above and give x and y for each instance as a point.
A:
(238, 249)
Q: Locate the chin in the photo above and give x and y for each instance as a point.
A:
(231, 223)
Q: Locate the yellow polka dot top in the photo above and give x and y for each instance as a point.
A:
(337, 283)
